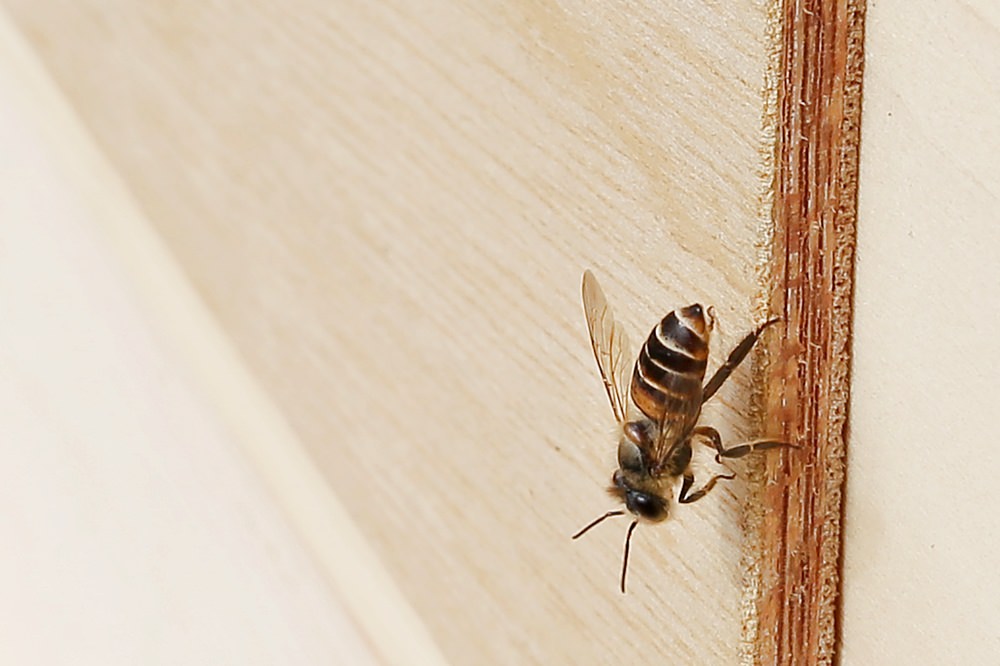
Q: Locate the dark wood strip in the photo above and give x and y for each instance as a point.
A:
(798, 555)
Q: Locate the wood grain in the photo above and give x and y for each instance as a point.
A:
(818, 139)
(388, 211)
(138, 531)
(357, 191)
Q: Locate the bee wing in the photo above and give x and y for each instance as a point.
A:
(679, 416)
(610, 345)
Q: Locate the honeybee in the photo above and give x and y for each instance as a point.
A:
(666, 389)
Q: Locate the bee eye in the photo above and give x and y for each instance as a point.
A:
(645, 505)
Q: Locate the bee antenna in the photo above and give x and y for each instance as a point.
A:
(595, 522)
(628, 540)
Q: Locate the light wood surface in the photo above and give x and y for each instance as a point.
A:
(136, 530)
(388, 209)
(922, 524)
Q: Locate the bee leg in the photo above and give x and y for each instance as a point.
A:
(735, 358)
(739, 450)
(684, 498)
(749, 447)
(710, 433)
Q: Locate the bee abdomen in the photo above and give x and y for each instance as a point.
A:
(671, 365)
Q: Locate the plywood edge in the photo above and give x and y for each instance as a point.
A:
(753, 508)
(360, 582)
(793, 556)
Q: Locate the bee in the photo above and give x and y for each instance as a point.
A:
(667, 391)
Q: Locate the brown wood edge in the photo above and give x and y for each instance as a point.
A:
(794, 551)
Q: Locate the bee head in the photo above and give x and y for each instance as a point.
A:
(630, 481)
(645, 505)
(640, 502)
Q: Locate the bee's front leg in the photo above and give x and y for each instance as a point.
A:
(684, 498)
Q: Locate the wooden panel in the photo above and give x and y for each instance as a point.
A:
(388, 209)
(808, 385)
(136, 530)
(921, 542)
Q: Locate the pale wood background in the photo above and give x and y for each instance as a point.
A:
(922, 524)
(136, 530)
(387, 209)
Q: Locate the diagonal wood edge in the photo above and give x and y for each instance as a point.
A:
(795, 554)
(383, 615)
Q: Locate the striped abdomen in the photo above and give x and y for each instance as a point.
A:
(668, 374)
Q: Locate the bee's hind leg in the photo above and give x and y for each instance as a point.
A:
(739, 450)
(684, 498)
